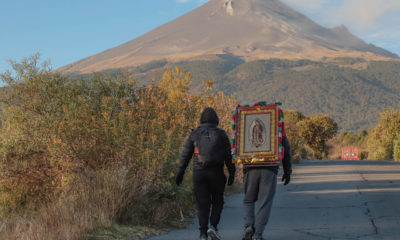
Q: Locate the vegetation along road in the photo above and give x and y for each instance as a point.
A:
(325, 200)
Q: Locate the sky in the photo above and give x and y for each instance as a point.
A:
(65, 31)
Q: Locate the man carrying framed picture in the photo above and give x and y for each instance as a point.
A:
(259, 144)
(260, 186)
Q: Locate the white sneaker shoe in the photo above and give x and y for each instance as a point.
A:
(213, 233)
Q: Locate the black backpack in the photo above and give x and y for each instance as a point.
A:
(209, 144)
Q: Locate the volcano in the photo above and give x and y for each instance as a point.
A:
(248, 29)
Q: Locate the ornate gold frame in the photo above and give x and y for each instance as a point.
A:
(243, 156)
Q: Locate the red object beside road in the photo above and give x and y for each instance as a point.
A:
(350, 154)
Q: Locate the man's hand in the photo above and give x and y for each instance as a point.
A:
(286, 178)
(179, 177)
(231, 179)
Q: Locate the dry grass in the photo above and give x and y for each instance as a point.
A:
(89, 202)
(97, 202)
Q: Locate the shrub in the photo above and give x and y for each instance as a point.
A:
(396, 150)
(381, 138)
(363, 155)
(292, 118)
(315, 131)
(85, 153)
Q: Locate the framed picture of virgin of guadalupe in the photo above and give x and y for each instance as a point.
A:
(257, 133)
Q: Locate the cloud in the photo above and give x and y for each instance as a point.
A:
(183, 1)
(366, 13)
(307, 5)
(360, 14)
(386, 37)
(375, 21)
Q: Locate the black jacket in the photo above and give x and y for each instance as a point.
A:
(287, 157)
(221, 152)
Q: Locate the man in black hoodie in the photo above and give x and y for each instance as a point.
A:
(211, 148)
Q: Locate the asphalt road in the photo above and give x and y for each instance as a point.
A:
(333, 200)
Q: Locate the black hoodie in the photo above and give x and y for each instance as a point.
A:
(219, 153)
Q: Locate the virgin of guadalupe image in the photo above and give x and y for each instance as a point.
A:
(257, 130)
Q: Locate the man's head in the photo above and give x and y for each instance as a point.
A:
(209, 116)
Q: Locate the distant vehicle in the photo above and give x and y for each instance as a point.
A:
(350, 153)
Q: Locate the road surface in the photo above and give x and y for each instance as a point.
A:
(326, 200)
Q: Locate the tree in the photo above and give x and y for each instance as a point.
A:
(353, 139)
(381, 139)
(316, 131)
(28, 172)
(292, 118)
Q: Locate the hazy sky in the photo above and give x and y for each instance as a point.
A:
(65, 31)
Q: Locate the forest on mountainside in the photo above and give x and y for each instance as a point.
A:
(352, 91)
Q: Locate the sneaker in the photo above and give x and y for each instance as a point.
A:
(203, 236)
(213, 233)
(248, 233)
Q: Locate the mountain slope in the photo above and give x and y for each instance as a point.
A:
(351, 91)
(250, 29)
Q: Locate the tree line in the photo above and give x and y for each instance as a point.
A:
(352, 91)
(313, 137)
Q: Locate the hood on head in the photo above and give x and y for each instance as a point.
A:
(209, 116)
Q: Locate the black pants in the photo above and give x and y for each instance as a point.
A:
(209, 186)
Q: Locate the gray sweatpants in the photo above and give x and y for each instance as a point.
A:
(259, 186)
